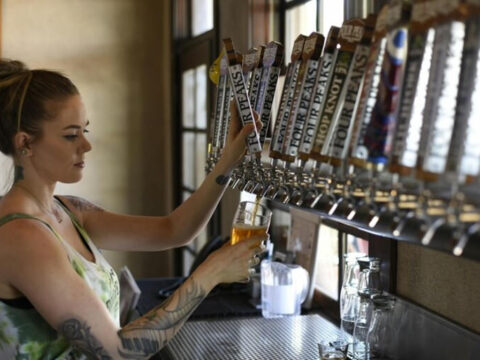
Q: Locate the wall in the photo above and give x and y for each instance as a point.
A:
(117, 53)
(441, 283)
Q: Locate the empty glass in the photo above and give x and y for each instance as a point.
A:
(369, 278)
(332, 350)
(348, 293)
(381, 335)
(362, 323)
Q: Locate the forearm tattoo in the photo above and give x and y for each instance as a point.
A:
(79, 335)
(145, 336)
(82, 204)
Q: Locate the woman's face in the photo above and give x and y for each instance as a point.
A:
(59, 153)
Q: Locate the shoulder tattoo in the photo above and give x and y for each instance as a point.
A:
(82, 204)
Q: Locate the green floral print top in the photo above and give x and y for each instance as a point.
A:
(24, 334)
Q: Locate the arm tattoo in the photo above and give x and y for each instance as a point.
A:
(147, 335)
(79, 335)
(82, 204)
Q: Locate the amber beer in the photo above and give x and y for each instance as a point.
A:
(242, 232)
(251, 219)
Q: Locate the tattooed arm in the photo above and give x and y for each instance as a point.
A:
(147, 335)
(35, 263)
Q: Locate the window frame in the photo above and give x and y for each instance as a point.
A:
(206, 46)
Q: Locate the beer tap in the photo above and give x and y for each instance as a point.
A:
(380, 127)
(345, 73)
(271, 64)
(242, 100)
(331, 143)
(218, 74)
(416, 222)
(357, 114)
(277, 158)
(302, 96)
(407, 135)
(462, 162)
(325, 199)
(438, 120)
(464, 242)
(322, 81)
(450, 224)
(388, 217)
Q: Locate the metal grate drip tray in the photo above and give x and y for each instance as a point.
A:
(290, 338)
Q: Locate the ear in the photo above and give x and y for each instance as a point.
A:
(22, 142)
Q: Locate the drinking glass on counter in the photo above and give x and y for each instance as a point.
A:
(349, 290)
(251, 219)
(332, 350)
(382, 335)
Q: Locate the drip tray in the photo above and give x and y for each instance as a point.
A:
(290, 338)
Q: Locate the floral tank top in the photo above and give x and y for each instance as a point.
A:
(24, 334)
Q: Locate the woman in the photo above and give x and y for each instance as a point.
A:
(58, 295)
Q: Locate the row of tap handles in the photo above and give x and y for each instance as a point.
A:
(376, 124)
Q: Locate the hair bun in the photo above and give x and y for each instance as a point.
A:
(11, 67)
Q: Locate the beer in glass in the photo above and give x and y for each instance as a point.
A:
(251, 219)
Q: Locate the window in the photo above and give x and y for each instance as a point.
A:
(192, 18)
(328, 272)
(356, 244)
(331, 13)
(301, 19)
(202, 16)
(194, 143)
(194, 123)
(328, 276)
(193, 28)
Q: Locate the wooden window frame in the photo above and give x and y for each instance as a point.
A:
(184, 42)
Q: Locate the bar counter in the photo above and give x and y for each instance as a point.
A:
(226, 326)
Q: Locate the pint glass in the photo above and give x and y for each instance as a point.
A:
(251, 219)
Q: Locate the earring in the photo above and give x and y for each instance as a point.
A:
(24, 152)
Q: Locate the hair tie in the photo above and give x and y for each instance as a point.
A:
(22, 98)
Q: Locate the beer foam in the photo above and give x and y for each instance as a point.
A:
(249, 227)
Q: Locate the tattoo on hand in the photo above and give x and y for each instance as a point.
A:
(79, 335)
(82, 204)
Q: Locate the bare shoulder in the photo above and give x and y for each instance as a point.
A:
(24, 242)
(10, 204)
(25, 233)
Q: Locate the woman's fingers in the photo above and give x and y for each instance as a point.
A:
(241, 259)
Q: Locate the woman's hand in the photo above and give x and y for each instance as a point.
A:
(235, 145)
(231, 263)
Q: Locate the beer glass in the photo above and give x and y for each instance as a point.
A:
(251, 219)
